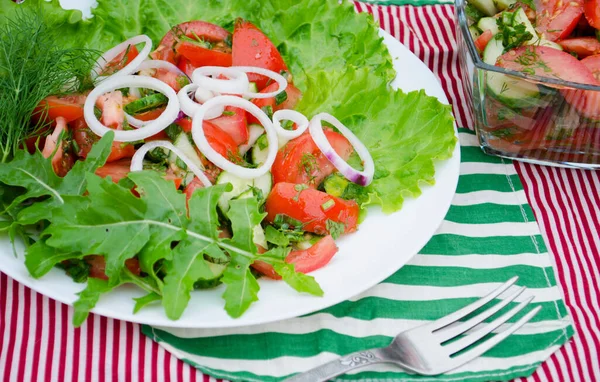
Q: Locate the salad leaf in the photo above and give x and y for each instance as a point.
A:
(405, 133)
(88, 299)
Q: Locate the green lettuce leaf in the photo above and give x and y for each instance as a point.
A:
(405, 133)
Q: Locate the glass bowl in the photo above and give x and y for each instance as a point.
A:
(559, 125)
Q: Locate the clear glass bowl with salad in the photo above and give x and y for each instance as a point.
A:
(532, 69)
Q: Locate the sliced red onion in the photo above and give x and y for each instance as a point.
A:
(254, 132)
(137, 162)
(265, 72)
(189, 107)
(289, 115)
(112, 53)
(216, 158)
(152, 127)
(362, 178)
(236, 83)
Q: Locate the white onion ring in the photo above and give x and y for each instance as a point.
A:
(216, 158)
(202, 95)
(153, 127)
(289, 115)
(190, 108)
(363, 178)
(265, 72)
(137, 162)
(110, 54)
(237, 83)
(255, 131)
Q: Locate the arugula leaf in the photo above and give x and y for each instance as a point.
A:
(335, 228)
(274, 236)
(299, 281)
(88, 298)
(141, 302)
(412, 130)
(41, 258)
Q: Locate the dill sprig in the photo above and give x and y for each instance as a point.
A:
(32, 67)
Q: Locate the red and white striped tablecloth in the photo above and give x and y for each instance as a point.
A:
(38, 343)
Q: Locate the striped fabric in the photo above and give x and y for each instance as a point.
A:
(488, 236)
(37, 342)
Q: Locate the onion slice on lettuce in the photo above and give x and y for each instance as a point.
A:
(289, 115)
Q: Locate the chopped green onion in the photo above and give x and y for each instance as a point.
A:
(281, 98)
(328, 205)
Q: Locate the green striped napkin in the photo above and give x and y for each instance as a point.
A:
(488, 236)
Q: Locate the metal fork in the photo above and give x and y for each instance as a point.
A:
(426, 350)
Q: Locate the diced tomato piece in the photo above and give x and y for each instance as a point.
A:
(199, 56)
(222, 142)
(592, 12)
(553, 62)
(174, 80)
(583, 46)
(193, 186)
(293, 97)
(234, 123)
(593, 64)
(83, 136)
(305, 261)
(120, 61)
(556, 19)
(482, 41)
(69, 107)
(116, 170)
(252, 48)
(170, 175)
(111, 105)
(301, 162)
(98, 266)
(185, 124)
(62, 161)
(186, 66)
(313, 208)
(120, 150)
(151, 115)
(164, 53)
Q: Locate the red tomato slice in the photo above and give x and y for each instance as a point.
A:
(62, 161)
(300, 161)
(84, 137)
(222, 142)
(120, 150)
(112, 109)
(311, 207)
(293, 97)
(174, 80)
(252, 48)
(545, 61)
(98, 266)
(556, 19)
(592, 12)
(69, 107)
(235, 124)
(482, 41)
(583, 46)
(186, 66)
(193, 186)
(120, 61)
(210, 32)
(116, 170)
(200, 56)
(304, 261)
(593, 64)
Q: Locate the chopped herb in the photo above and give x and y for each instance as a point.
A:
(514, 34)
(262, 142)
(77, 269)
(268, 110)
(286, 222)
(181, 164)
(335, 229)
(76, 148)
(328, 204)
(97, 112)
(308, 163)
(281, 98)
(288, 125)
(229, 113)
(473, 13)
(299, 188)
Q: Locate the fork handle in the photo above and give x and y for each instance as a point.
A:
(339, 366)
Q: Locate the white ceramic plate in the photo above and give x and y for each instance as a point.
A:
(382, 245)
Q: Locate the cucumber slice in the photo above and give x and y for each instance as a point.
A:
(503, 5)
(521, 18)
(475, 32)
(259, 237)
(550, 44)
(511, 91)
(487, 7)
(183, 143)
(145, 104)
(488, 23)
(260, 151)
(254, 132)
(217, 271)
(241, 186)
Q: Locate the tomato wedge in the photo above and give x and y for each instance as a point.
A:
(69, 107)
(553, 62)
(222, 142)
(583, 46)
(556, 19)
(483, 40)
(293, 95)
(84, 137)
(111, 105)
(593, 64)
(591, 9)
(313, 208)
(200, 56)
(62, 159)
(120, 61)
(252, 48)
(186, 66)
(234, 123)
(116, 170)
(191, 187)
(300, 161)
(98, 265)
(305, 261)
